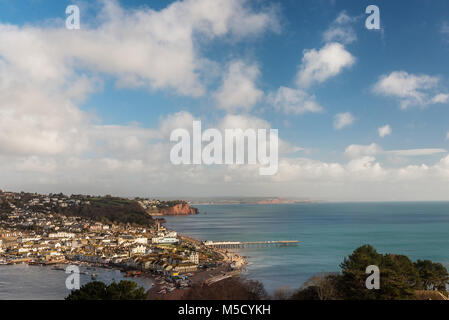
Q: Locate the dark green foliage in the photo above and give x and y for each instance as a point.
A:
(112, 210)
(400, 278)
(126, 290)
(351, 284)
(96, 290)
(434, 276)
(307, 293)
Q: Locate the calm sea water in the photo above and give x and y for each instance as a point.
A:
(327, 232)
(26, 282)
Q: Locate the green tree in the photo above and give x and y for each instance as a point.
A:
(96, 290)
(399, 277)
(351, 284)
(125, 290)
(434, 276)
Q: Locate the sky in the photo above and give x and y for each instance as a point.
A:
(362, 114)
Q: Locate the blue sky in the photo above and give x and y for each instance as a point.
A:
(409, 53)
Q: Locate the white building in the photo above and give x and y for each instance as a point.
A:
(194, 258)
(63, 235)
(142, 240)
(171, 234)
(165, 240)
(28, 239)
(139, 249)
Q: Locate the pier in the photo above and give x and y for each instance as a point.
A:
(245, 244)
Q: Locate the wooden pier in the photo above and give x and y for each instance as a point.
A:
(245, 244)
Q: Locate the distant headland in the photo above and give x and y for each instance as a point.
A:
(255, 200)
(167, 208)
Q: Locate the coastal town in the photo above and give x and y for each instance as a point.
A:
(56, 230)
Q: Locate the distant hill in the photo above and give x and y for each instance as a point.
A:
(111, 210)
(253, 200)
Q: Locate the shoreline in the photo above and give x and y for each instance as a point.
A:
(162, 285)
(215, 264)
(232, 265)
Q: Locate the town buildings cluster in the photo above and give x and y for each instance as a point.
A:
(34, 233)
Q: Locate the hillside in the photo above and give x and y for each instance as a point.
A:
(111, 210)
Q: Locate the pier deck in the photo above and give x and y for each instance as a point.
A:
(244, 244)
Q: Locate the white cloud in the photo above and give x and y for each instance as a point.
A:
(410, 89)
(46, 72)
(232, 121)
(39, 118)
(440, 98)
(294, 101)
(384, 131)
(162, 44)
(306, 170)
(363, 178)
(365, 168)
(445, 30)
(319, 65)
(239, 90)
(341, 30)
(48, 144)
(417, 152)
(181, 119)
(342, 120)
(355, 151)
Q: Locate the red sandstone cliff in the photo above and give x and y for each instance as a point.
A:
(179, 210)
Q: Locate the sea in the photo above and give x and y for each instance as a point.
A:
(327, 233)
